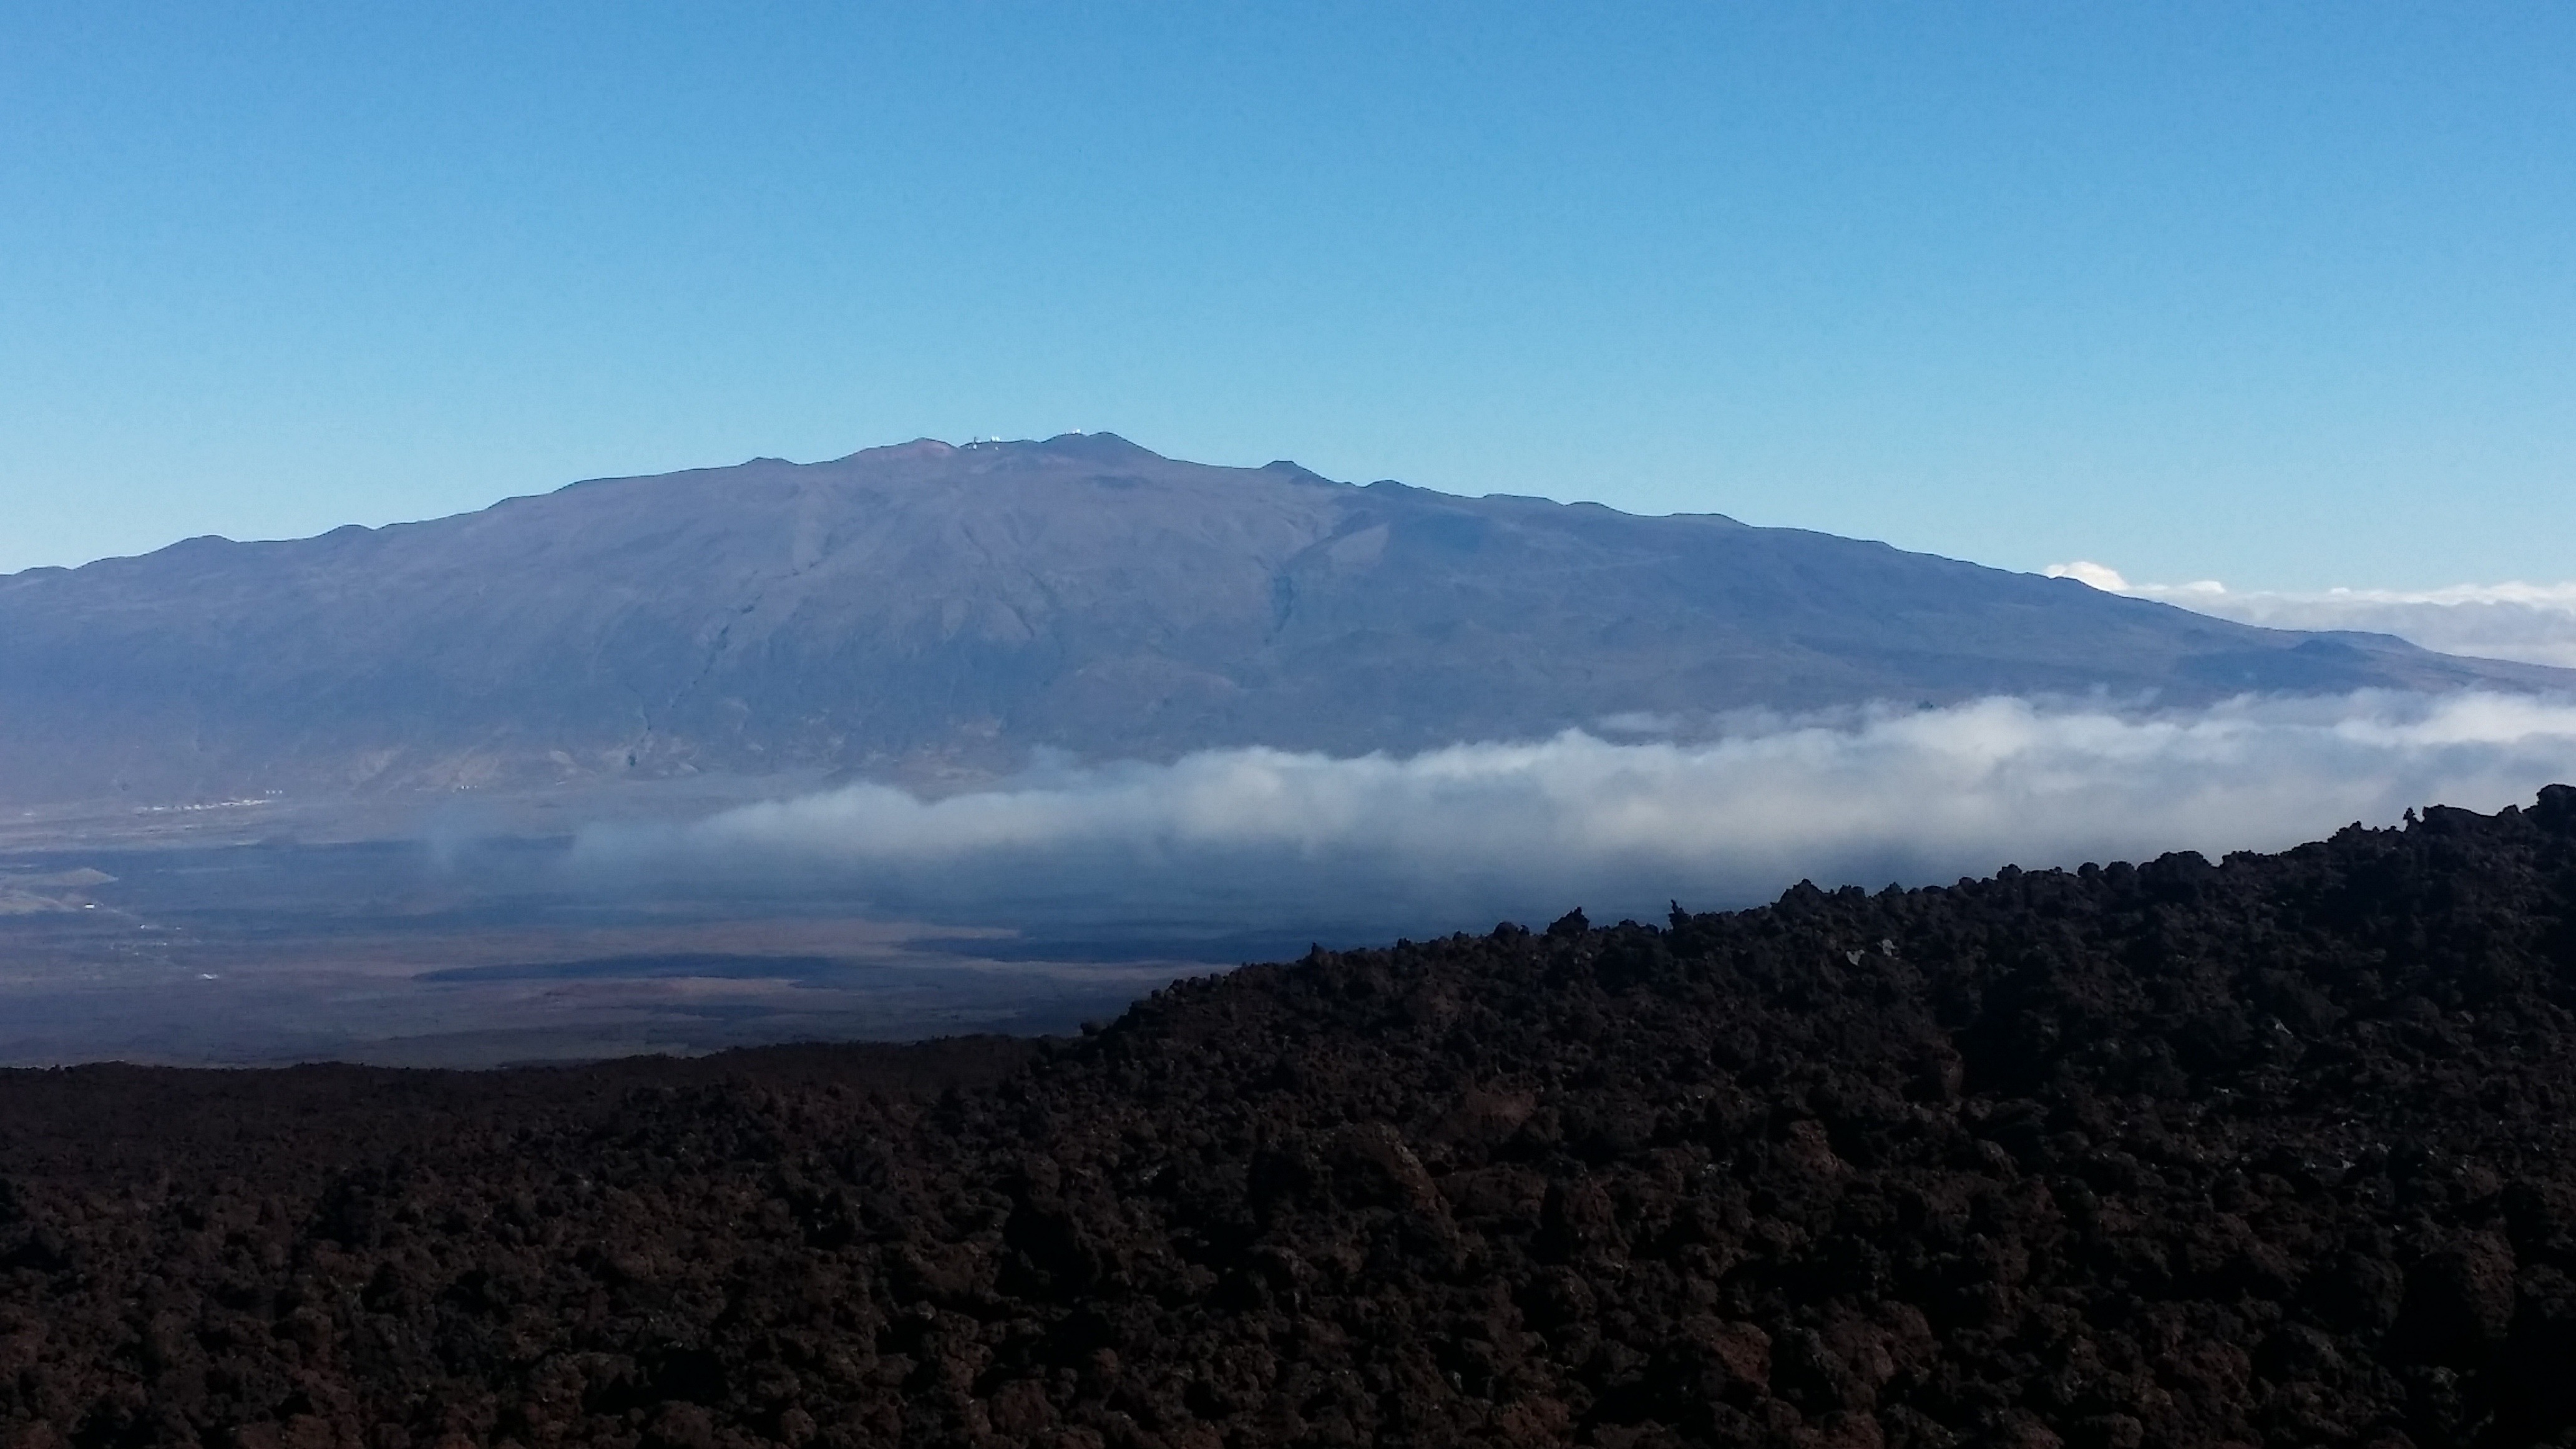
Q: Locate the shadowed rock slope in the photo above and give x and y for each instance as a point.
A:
(2275, 1150)
(931, 609)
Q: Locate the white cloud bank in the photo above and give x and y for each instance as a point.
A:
(1260, 838)
(2532, 623)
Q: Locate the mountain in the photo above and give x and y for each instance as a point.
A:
(926, 608)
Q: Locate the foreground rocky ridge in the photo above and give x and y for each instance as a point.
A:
(2275, 1150)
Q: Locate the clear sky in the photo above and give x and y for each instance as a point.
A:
(2283, 295)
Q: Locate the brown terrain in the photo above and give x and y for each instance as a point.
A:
(2275, 1150)
(216, 951)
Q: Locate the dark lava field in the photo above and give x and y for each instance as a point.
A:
(2271, 1151)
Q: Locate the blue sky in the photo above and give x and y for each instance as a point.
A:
(2283, 295)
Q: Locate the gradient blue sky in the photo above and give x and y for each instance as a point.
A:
(2284, 295)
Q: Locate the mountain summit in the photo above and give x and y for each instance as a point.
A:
(927, 606)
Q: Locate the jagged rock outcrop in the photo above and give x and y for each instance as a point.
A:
(2273, 1150)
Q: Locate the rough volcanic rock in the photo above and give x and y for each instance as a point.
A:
(2274, 1150)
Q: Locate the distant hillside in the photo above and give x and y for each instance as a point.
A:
(925, 608)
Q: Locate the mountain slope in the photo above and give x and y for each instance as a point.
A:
(924, 606)
(2273, 1151)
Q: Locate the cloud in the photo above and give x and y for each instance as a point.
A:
(2533, 623)
(2085, 571)
(1260, 839)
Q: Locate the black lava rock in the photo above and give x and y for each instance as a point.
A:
(2273, 1150)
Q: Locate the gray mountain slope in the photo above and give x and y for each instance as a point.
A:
(925, 607)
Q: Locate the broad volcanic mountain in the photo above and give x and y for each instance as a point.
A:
(925, 608)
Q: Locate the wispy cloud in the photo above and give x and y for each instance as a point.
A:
(1260, 838)
(2533, 623)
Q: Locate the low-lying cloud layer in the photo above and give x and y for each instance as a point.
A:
(1259, 839)
(2533, 623)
